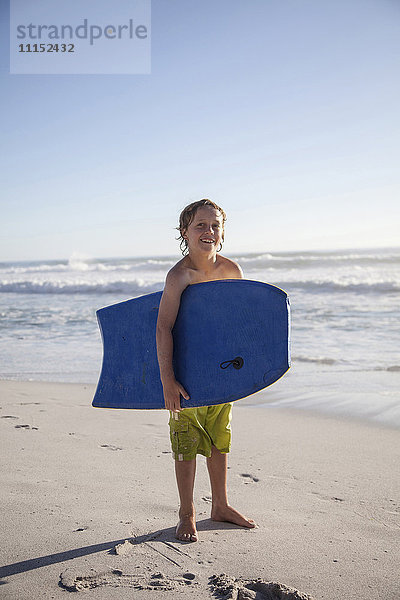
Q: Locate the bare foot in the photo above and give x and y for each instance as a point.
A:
(229, 514)
(186, 528)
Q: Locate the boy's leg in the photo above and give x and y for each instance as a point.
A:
(185, 471)
(221, 511)
(188, 439)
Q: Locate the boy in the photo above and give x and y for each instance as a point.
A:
(203, 430)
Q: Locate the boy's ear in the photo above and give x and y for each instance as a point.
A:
(183, 234)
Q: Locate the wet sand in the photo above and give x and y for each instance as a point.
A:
(89, 504)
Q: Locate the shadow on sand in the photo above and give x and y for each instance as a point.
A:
(162, 535)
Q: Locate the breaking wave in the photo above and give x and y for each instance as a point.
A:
(141, 286)
(319, 360)
(131, 288)
(381, 287)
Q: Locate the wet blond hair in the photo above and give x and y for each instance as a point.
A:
(187, 216)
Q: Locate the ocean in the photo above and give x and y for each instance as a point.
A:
(345, 323)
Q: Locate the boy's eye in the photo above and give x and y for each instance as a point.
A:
(215, 225)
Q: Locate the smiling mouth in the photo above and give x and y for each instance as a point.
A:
(208, 241)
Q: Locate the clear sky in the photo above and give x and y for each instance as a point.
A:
(285, 112)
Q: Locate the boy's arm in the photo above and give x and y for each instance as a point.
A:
(169, 306)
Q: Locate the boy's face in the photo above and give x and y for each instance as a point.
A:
(206, 231)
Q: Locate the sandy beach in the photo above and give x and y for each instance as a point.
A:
(89, 504)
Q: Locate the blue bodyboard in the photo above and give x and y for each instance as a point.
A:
(231, 339)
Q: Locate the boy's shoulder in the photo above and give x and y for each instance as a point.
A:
(179, 275)
(230, 268)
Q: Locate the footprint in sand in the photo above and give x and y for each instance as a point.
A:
(110, 447)
(250, 478)
(74, 582)
(26, 427)
(9, 417)
(29, 403)
(229, 588)
(328, 498)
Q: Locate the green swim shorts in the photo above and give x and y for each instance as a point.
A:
(194, 430)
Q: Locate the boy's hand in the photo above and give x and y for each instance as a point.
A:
(172, 395)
